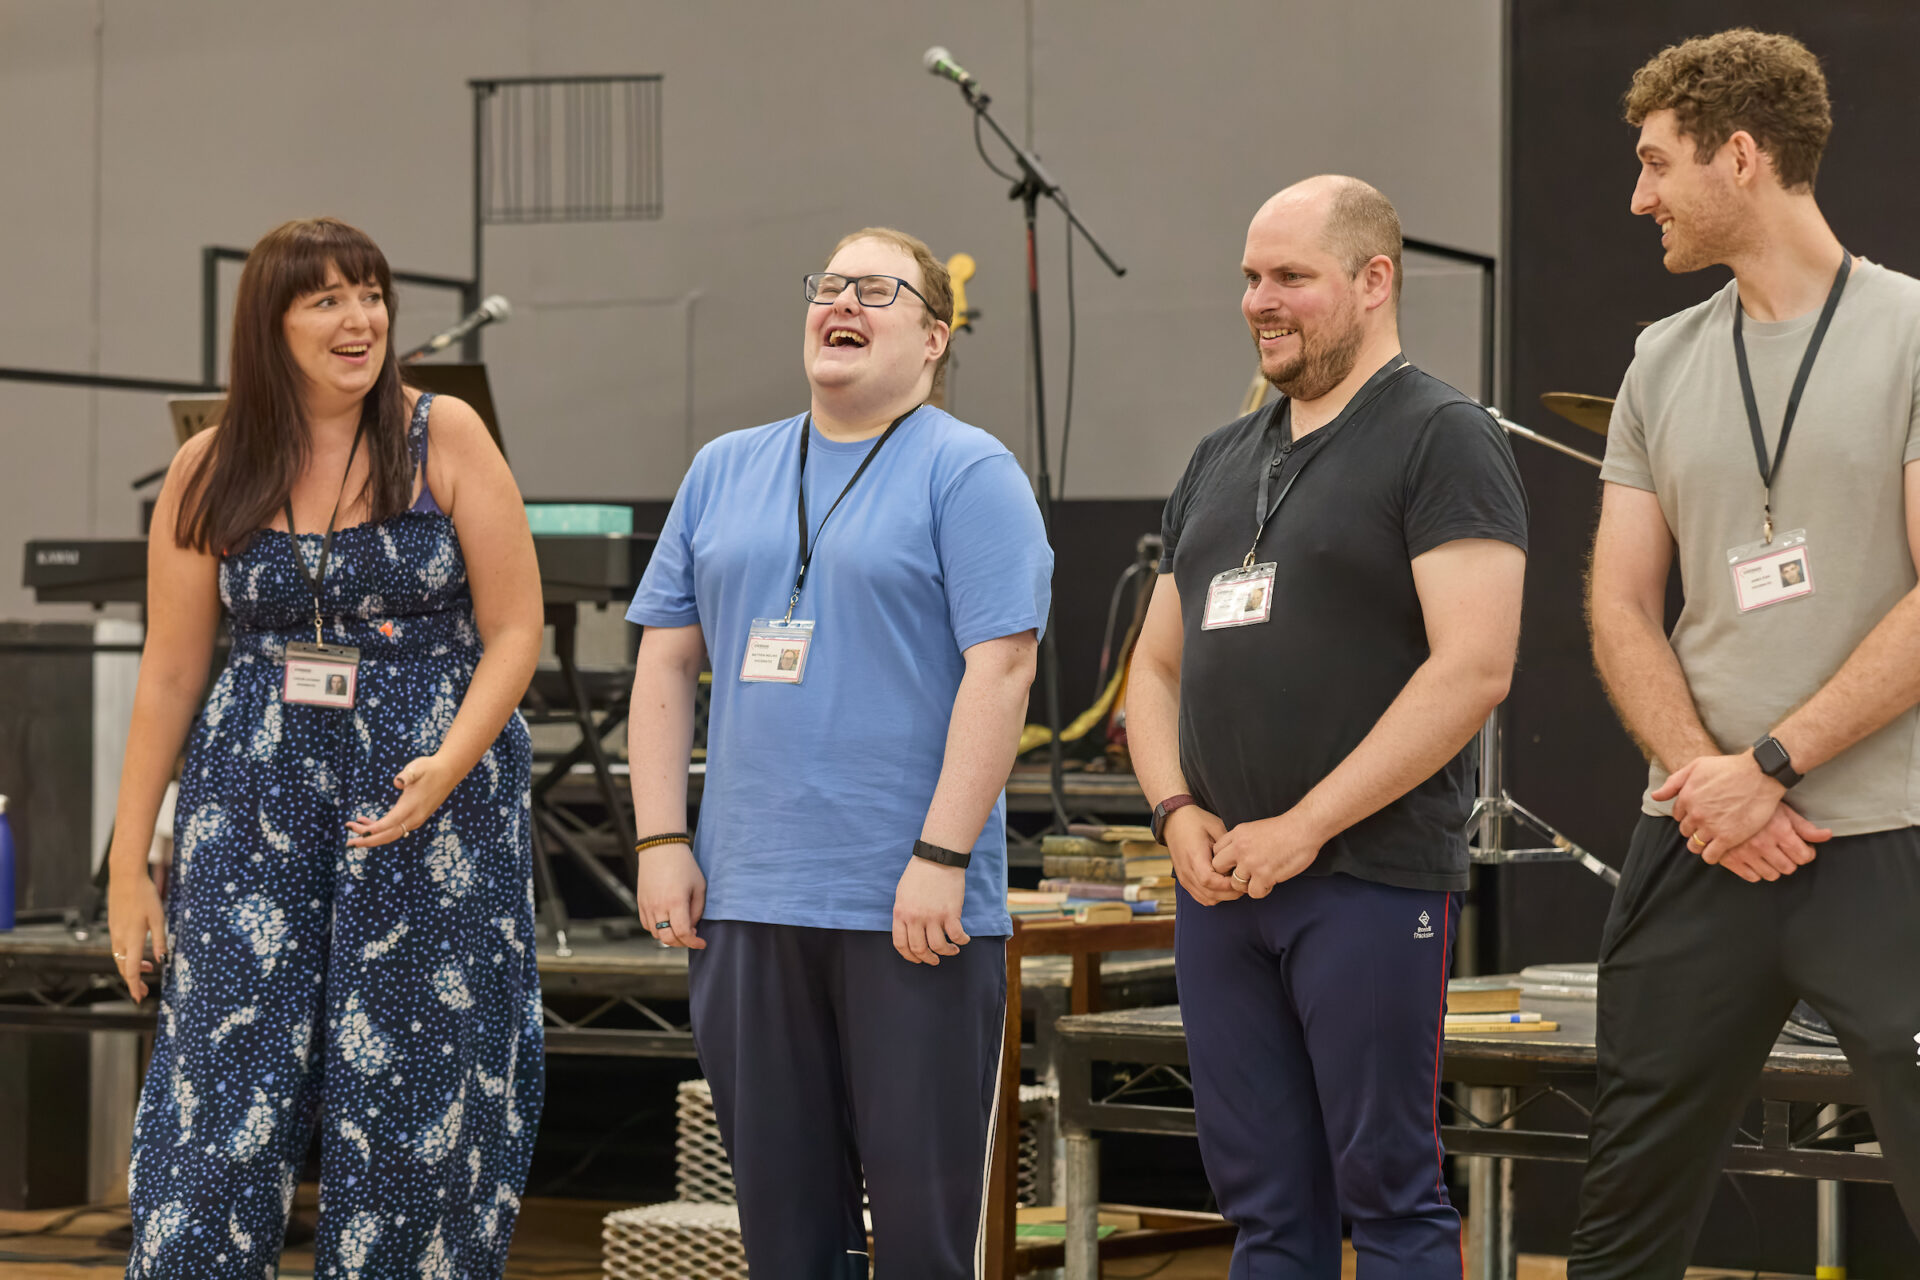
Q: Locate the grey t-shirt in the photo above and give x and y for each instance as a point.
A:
(1680, 431)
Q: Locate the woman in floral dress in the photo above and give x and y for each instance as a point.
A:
(348, 938)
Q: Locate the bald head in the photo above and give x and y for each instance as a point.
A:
(1356, 223)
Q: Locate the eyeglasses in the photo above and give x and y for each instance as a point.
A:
(824, 289)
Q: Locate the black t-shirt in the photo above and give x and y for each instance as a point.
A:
(1268, 710)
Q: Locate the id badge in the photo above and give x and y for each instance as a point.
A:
(1240, 597)
(1766, 573)
(777, 651)
(321, 675)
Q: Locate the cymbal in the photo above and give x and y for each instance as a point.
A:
(1591, 412)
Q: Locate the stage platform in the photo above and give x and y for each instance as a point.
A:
(612, 995)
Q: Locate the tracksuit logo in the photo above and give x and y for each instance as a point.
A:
(1426, 927)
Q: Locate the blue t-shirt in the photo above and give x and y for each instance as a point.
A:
(816, 792)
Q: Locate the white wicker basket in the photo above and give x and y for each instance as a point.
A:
(673, 1241)
(704, 1174)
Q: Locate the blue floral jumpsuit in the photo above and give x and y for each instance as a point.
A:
(387, 994)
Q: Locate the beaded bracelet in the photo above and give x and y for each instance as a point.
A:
(671, 837)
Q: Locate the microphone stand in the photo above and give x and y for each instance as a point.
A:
(1033, 183)
(1494, 808)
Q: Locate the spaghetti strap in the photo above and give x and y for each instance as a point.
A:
(419, 437)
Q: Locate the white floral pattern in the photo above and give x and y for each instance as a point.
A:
(450, 987)
(353, 1133)
(160, 1227)
(241, 1017)
(383, 948)
(357, 1239)
(266, 738)
(435, 1264)
(204, 825)
(438, 1141)
(263, 924)
(256, 1130)
(447, 863)
(361, 1047)
(432, 728)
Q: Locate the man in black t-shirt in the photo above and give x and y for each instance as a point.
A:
(1337, 614)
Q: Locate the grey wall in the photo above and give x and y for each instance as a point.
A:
(133, 134)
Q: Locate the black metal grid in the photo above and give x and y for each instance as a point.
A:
(568, 149)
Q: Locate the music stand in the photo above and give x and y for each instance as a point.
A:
(194, 414)
(463, 381)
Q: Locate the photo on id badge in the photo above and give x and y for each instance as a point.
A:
(320, 676)
(1769, 573)
(776, 652)
(1239, 597)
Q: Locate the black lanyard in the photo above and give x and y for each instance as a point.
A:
(1768, 473)
(1262, 513)
(314, 580)
(806, 552)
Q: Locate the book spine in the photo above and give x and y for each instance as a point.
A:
(1063, 866)
(1085, 888)
(1076, 846)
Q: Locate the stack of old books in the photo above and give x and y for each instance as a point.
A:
(1098, 873)
(1476, 1006)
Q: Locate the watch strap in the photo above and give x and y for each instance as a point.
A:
(1165, 808)
(945, 857)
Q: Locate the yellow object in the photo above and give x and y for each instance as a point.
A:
(1830, 1273)
(1256, 393)
(960, 267)
(1037, 735)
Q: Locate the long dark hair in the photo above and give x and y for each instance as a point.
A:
(262, 444)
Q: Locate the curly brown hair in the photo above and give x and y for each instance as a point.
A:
(1769, 85)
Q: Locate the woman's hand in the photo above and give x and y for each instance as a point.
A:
(671, 889)
(424, 786)
(133, 914)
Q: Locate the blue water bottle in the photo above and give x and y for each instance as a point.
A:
(6, 869)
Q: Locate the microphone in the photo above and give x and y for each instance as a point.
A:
(939, 62)
(493, 310)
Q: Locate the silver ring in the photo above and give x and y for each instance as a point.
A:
(663, 924)
(1240, 879)
(119, 955)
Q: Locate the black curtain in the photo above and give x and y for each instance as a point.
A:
(1583, 274)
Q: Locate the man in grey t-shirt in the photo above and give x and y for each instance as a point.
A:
(1770, 438)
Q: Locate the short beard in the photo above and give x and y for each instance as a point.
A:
(1321, 365)
(1716, 234)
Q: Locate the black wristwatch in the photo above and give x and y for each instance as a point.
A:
(945, 857)
(1775, 762)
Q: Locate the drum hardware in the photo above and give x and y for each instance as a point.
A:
(1493, 808)
(1582, 410)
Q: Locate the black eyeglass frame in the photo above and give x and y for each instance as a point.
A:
(810, 286)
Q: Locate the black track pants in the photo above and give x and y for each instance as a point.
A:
(1698, 970)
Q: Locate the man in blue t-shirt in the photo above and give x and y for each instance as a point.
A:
(869, 581)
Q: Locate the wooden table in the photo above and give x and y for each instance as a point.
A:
(1085, 944)
(1509, 1077)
